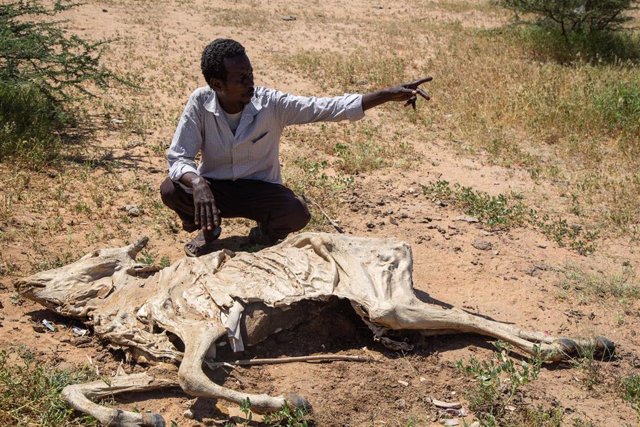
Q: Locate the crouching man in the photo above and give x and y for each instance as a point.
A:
(236, 128)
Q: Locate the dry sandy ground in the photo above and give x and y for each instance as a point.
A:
(515, 281)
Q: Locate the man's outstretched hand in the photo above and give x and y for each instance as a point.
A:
(407, 92)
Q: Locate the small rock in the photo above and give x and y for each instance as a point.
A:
(289, 18)
(401, 404)
(465, 218)
(188, 414)
(393, 221)
(132, 210)
(404, 383)
(482, 245)
(371, 225)
(451, 422)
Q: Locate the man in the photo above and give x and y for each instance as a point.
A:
(236, 129)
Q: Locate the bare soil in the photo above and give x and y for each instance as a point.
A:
(518, 280)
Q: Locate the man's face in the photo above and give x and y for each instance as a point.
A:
(237, 90)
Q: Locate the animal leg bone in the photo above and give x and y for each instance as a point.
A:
(421, 316)
(79, 397)
(194, 382)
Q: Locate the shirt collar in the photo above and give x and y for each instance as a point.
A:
(212, 105)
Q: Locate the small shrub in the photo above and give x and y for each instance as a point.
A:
(43, 73)
(570, 30)
(576, 15)
(610, 47)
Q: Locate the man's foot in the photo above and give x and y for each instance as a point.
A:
(257, 237)
(202, 244)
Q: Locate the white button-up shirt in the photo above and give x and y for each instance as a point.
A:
(253, 152)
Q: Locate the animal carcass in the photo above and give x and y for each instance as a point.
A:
(196, 301)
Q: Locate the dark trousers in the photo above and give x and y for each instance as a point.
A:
(276, 208)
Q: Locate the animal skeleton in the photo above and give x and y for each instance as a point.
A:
(200, 300)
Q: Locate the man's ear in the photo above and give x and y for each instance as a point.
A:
(216, 84)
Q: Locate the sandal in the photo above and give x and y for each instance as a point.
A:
(258, 237)
(200, 246)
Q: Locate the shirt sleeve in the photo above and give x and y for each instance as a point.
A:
(187, 141)
(295, 110)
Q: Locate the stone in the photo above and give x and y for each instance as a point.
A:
(482, 245)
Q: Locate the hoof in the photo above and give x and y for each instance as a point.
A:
(295, 401)
(605, 349)
(153, 420)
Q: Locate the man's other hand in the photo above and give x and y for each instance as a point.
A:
(207, 215)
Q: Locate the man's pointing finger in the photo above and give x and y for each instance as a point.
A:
(421, 81)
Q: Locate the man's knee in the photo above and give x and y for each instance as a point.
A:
(168, 192)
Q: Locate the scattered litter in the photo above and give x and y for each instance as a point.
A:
(446, 405)
(510, 408)
(120, 370)
(49, 325)
(79, 331)
(457, 412)
(289, 18)
(404, 383)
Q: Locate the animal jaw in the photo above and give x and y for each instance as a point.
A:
(199, 300)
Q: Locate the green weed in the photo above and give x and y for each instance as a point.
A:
(622, 286)
(288, 417)
(31, 391)
(631, 391)
(506, 211)
(497, 382)
(618, 102)
(498, 212)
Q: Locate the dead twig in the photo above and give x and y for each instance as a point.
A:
(328, 218)
(316, 358)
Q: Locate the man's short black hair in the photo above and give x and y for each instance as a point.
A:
(213, 56)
